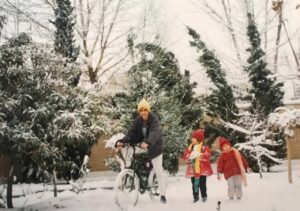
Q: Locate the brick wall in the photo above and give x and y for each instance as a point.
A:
(99, 153)
(4, 167)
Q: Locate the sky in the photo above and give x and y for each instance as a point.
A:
(169, 19)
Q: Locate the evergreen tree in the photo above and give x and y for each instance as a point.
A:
(64, 35)
(45, 121)
(265, 91)
(265, 97)
(156, 76)
(187, 97)
(221, 102)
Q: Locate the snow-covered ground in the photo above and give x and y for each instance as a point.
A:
(272, 193)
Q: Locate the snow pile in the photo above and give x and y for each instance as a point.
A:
(286, 119)
(110, 143)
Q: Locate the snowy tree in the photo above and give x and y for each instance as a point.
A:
(266, 93)
(156, 76)
(64, 36)
(261, 145)
(45, 121)
(221, 101)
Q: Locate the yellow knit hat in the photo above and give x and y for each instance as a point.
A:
(143, 104)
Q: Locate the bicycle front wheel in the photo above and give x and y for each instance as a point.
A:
(126, 189)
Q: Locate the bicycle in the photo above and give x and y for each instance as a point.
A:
(136, 176)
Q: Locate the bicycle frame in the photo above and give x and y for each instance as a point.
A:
(127, 155)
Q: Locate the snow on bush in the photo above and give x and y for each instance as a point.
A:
(286, 119)
(110, 143)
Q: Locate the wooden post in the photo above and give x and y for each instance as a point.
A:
(289, 160)
(54, 183)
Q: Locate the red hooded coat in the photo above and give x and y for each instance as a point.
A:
(228, 164)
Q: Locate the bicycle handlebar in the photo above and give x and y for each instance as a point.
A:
(121, 144)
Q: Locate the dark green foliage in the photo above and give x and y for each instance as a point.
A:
(267, 94)
(221, 102)
(45, 121)
(64, 35)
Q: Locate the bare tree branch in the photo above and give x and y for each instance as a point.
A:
(227, 10)
(266, 25)
(98, 34)
(27, 15)
(278, 9)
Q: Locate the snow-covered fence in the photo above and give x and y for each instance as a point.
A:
(289, 121)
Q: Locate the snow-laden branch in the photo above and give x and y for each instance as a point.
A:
(110, 143)
(235, 127)
(285, 119)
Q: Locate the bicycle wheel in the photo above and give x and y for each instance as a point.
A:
(153, 185)
(126, 189)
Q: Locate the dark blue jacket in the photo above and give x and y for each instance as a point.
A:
(153, 135)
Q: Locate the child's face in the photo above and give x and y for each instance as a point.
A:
(226, 148)
(194, 141)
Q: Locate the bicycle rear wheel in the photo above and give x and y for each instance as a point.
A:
(126, 189)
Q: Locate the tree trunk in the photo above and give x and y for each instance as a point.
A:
(92, 74)
(266, 26)
(227, 11)
(54, 183)
(277, 40)
(10, 181)
(260, 167)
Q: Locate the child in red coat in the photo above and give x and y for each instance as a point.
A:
(232, 164)
(197, 156)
